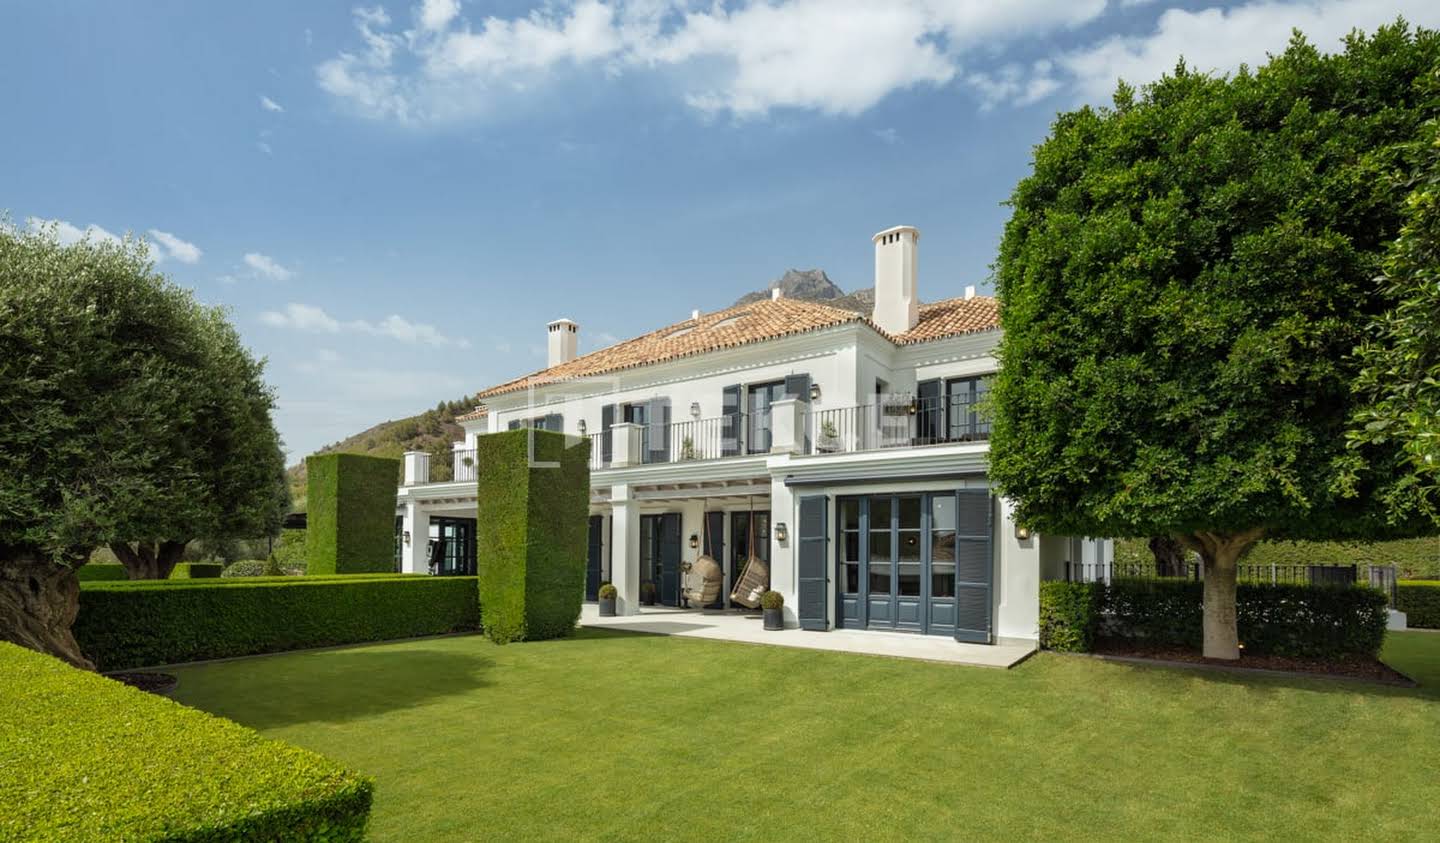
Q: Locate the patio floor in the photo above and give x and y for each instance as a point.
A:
(747, 629)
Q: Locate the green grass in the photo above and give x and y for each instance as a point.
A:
(614, 736)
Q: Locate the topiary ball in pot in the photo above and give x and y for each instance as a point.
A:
(772, 604)
(608, 593)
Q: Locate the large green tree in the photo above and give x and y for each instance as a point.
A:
(1183, 280)
(129, 413)
(1400, 381)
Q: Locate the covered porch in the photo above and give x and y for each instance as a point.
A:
(746, 628)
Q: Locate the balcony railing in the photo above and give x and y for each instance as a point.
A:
(896, 424)
(462, 466)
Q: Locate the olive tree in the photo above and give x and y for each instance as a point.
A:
(1183, 280)
(129, 413)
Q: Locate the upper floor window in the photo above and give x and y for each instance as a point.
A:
(950, 410)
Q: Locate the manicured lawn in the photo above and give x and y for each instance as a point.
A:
(613, 736)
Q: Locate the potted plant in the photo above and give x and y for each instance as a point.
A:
(687, 449)
(773, 604)
(829, 438)
(647, 593)
(607, 600)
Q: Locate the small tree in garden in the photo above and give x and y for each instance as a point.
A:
(1183, 281)
(105, 377)
(1400, 381)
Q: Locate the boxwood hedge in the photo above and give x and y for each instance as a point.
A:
(85, 758)
(531, 532)
(1420, 601)
(1283, 620)
(129, 624)
(111, 571)
(350, 525)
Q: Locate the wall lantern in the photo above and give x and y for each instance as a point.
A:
(914, 406)
(407, 536)
(695, 409)
(782, 534)
(694, 541)
(582, 427)
(814, 392)
(1021, 533)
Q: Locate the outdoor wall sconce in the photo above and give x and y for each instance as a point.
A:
(407, 536)
(914, 406)
(781, 532)
(582, 427)
(695, 409)
(1021, 533)
(814, 392)
(694, 541)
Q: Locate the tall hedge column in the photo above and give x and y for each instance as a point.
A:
(531, 531)
(350, 525)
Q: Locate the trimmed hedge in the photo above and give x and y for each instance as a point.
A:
(83, 757)
(350, 525)
(1420, 601)
(130, 624)
(532, 524)
(1415, 559)
(111, 572)
(197, 570)
(1283, 620)
(242, 581)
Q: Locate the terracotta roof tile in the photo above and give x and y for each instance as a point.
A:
(751, 323)
(479, 412)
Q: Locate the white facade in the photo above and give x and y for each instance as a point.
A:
(839, 423)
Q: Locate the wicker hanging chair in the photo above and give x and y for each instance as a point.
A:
(755, 578)
(709, 573)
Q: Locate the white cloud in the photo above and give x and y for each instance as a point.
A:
(267, 267)
(745, 58)
(888, 135)
(312, 319)
(264, 147)
(174, 247)
(68, 234)
(271, 105)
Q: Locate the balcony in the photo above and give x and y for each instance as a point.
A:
(870, 427)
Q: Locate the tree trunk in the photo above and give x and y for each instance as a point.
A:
(38, 602)
(149, 560)
(1220, 554)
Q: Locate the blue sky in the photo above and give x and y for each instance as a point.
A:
(394, 199)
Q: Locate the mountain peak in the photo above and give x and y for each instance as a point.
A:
(814, 285)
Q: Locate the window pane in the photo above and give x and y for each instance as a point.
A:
(850, 514)
(910, 512)
(909, 545)
(852, 546)
(942, 512)
(942, 546)
(880, 579)
(852, 578)
(880, 513)
(942, 579)
(880, 546)
(910, 580)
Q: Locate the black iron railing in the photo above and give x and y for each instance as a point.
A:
(896, 424)
(1382, 577)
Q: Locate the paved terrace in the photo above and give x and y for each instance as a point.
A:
(747, 629)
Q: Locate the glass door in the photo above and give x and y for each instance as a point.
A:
(740, 545)
(760, 397)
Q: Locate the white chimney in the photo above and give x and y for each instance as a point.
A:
(970, 291)
(694, 314)
(897, 306)
(564, 341)
(776, 294)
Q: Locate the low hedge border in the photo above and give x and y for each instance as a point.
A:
(243, 581)
(83, 757)
(1420, 601)
(112, 572)
(126, 625)
(1282, 620)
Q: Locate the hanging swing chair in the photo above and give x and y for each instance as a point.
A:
(755, 578)
(707, 570)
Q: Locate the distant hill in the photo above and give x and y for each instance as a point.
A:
(434, 430)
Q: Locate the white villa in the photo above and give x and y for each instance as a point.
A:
(843, 448)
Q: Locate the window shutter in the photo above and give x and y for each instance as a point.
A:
(554, 422)
(658, 419)
(798, 386)
(974, 566)
(607, 420)
(814, 562)
(929, 412)
(514, 424)
(731, 420)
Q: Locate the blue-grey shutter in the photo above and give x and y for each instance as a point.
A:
(974, 566)
(554, 422)
(669, 584)
(515, 424)
(813, 562)
(929, 412)
(607, 421)
(594, 548)
(798, 386)
(731, 420)
(658, 420)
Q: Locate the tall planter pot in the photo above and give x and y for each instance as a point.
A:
(607, 607)
(774, 619)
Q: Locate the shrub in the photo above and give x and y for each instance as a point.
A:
(532, 524)
(129, 624)
(87, 758)
(772, 600)
(101, 571)
(608, 591)
(272, 567)
(1069, 612)
(244, 568)
(350, 526)
(197, 570)
(1282, 620)
(1420, 601)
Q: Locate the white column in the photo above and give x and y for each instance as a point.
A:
(787, 426)
(417, 468)
(625, 445)
(417, 525)
(784, 572)
(1017, 578)
(625, 550)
